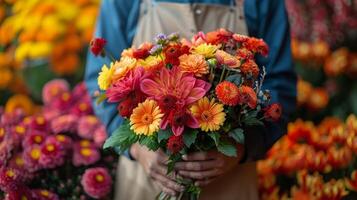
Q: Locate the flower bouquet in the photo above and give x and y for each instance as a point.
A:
(56, 153)
(186, 96)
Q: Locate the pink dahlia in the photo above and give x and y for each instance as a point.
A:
(52, 154)
(97, 182)
(31, 157)
(100, 135)
(175, 91)
(64, 123)
(87, 125)
(127, 86)
(42, 194)
(85, 155)
(34, 137)
(53, 90)
(10, 179)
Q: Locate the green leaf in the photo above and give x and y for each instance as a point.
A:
(122, 138)
(215, 136)
(173, 159)
(100, 98)
(227, 149)
(252, 122)
(150, 142)
(189, 137)
(235, 78)
(238, 135)
(164, 134)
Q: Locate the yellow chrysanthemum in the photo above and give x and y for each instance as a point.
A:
(122, 67)
(19, 101)
(146, 118)
(193, 63)
(105, 76)
(151, 62)
(209, 114)
(206, 50)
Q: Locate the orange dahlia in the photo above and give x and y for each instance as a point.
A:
(209, 114)
(227, 93)
(146, 118)
(193, 63)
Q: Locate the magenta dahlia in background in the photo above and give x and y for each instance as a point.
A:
(38, 122)
(52, 154)
(64, 124)
(31, 157)
(53, 89)
(87, 126)
(96, 182)
(99, 136)
(10, 179)
(34, 137)
(84, 156)
(65, 141)
(43, 194)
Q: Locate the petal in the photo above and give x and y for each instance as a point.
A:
(192, 121)
(177, 130)
(150, 88)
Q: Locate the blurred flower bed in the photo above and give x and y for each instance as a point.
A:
(41, 40)
(312, 162)
(56, 152)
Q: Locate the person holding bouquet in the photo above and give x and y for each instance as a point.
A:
(142, 173)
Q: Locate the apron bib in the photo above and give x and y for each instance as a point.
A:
(187, 19)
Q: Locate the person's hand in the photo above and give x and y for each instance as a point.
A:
(154, 164)
(205, 167)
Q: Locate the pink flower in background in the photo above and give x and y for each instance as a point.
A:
(39, 123)
(53, 89)
(96, 182)
(43, 194)
(6, 146)
(13, 118)
(31, 157)
(10, 179)
(65, 141)
(17, 161)
(52, 154)
(87, 125)
(82, 108)
(18, 133)
(63, 103)
(64, 123)
(175, 91)
(85, 154)
(129, 85)
(50, 113)
(100, 135)
(34, 137)
(21, 193)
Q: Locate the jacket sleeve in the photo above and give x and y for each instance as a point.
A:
(269, 20)
(117, 24)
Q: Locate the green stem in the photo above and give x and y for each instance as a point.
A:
(222, 74)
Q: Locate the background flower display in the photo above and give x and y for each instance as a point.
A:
(56, 152)
(43, 39)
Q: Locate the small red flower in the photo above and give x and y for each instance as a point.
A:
(273, 112)
(172, 53)
(175, 144)
(126, 107)
(257, 46)
(227, 93)
(143, 51)
(97, 46)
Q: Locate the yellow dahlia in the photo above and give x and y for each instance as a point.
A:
(105, 77)
(206, 50)
(146, 118)
(122, 67)
(209, 114)
(193, 63)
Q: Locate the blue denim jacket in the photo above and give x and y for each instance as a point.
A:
(265, 19)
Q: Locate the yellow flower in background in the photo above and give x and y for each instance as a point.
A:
(32, 50)
(105, 77)
(209, 114)
(206, 50)
(19, 101)
(146, 118)
(6, 77)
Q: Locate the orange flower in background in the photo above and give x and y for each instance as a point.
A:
(304, 90)
(351, 182)
(327, 124)
(301, 132)
(193, 63)
(67, 65)
(337, 62)
(19, 101)
(6, 77)
(300, 50)
(320, 49)
(352, 65)
(339, 157)
(318, 99)
(227, 93)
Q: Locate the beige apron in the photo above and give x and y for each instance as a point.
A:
(186, 19)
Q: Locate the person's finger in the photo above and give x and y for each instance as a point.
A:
(161, 169)
(204, 182)
(165, 189)
(198, 165)
(198, 156)
(202, 175)
(168, 183)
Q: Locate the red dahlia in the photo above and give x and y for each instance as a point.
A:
(175, 144)
(97, 46)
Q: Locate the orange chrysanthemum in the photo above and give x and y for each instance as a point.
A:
(146, 118)
(193, 63)
(247, 96)
(227, 93)
(318, 99)
(249, 67)
(209, 114)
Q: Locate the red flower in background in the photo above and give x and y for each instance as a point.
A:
(97, 46)
(175, 144)
(273, 112)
